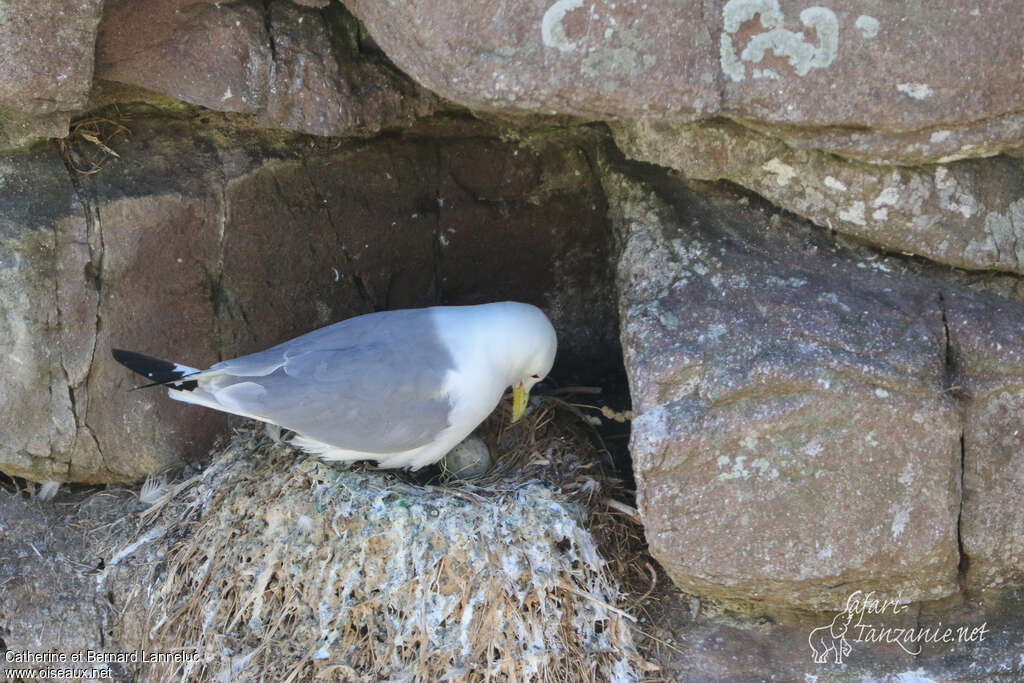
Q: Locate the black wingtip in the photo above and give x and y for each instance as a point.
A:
(157, 371)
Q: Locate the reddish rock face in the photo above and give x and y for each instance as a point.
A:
(208, 53)
(554, 57)
(47, 50)
(402, 223)
(200, 244)
(296, 68)
(157, 256)
(793, 440)
(47, 66)
(814, 419)
(988, 354)
(321, 83)
(868, 70)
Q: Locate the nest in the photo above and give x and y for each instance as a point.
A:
(279, 567)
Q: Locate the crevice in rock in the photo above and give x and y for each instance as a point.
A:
(965, 561)
(63, 364)
(712, 22)
(218, 297)
(950, 387)
(949, 362)
(364, 292)
(93, 275)
(271, 43)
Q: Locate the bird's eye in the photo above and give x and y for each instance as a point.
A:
(535, 376)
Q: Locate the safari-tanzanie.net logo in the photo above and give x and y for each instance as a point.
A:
(864, 621)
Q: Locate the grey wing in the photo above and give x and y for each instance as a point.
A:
(394, 329)
(376, 398)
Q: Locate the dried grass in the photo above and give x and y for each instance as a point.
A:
(279, 567)
(88, 145)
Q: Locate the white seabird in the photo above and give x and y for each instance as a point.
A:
(399, 387)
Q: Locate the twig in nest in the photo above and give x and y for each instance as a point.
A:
(167, 496)
(599, 601)
(645, 634)
(627, 510)
(100, 133)
(654, 584)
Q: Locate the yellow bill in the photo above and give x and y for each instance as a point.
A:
(519, 396)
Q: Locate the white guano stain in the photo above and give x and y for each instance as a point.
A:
(552, 32)
(802, 55)
(918, 91)
(907, 475)
(900, 518)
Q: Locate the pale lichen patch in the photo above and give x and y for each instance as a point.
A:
(918, 91)
(551, 29)
(834, 183)
(854, 213)
(802, 55)
(784, 173)
(867, 25)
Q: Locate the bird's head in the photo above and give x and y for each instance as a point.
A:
(532, 353)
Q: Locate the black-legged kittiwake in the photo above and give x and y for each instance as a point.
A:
(399, 387)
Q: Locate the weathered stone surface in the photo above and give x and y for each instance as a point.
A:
(935, 145)
(47, 50)
(321, 84)
(546, 57)
(51, 602)
(886, 643)
(296, 68)
(199, 244)
(968, 214)
(158, 254)
(46, 57)
(793, 439)
(526, 219)
(885, 80)
(988, 353)
(213, 54)
(36, 415)
(18, 130)
(82, 268)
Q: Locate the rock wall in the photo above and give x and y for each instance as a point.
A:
(48, 66)
(291, 67)
(810, 415)
(864, 71)
(968, 214)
